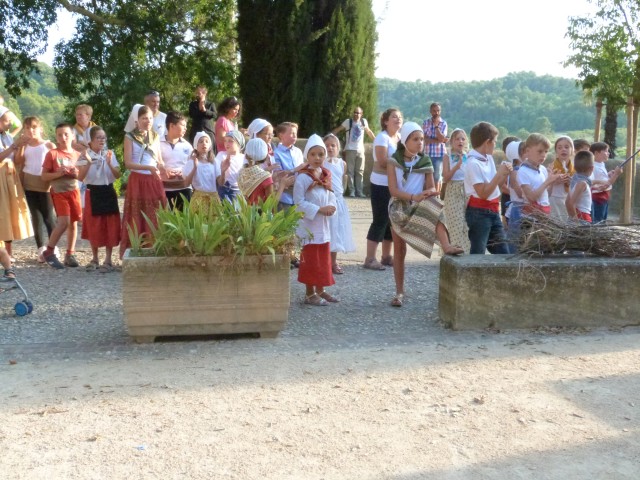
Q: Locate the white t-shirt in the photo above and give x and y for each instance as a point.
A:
(600, 174)
(160, 124)
(175, 156)
(205, 177)
(355, 134)
(479, 169)
(414, 183)
(382, 140)
(453, 160)
(534, 178)
(232, 174)
(99, 173)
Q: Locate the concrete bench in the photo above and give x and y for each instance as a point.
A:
(506, 291)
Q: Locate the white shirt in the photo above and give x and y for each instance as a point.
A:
(382, 140)
(479, 169)
(336, 167)
(175, 156)
(583, 203)
(355, 134)
(414, 183)
(233, 172)
(314, 227)
(534, 178)
(453, 160)
(6, 141)
(143, 156)
(205, 177)
(600, 174)
(160, 124)
(34, 158)
(99, 173)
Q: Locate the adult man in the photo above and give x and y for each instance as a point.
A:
(355, 129)
(152, 100)
(175, 155)
(202, 115)
(435, 139)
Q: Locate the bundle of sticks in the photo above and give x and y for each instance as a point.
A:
(542, 235)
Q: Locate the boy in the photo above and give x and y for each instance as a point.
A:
(176, 152)
(581, 145)
(578, 201)
(602, 181)
(481, 184)
(289, 157)
(59, 168)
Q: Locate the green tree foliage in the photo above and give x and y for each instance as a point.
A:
(309, 62)
(518, 101)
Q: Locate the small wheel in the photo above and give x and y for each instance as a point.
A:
(21, 309)
(29, 305)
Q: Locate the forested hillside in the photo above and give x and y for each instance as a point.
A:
(519, 101)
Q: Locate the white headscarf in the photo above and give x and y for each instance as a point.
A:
(407, 129)
(133, 118)
(512, 151)
(256, 149)
(256, 127)
(315, 140)
(3, 110)
(197, 138)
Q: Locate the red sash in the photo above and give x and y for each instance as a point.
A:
(493, 205)
(584, 216)
(601, 197)
(531, 207)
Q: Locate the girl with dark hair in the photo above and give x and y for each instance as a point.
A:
(228, 111)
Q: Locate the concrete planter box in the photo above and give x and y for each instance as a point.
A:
(168, 296)
(505, 291)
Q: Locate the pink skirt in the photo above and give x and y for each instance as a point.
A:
(100, 230)
(145, 193)
(315, 265)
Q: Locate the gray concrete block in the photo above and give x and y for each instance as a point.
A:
(506, 291)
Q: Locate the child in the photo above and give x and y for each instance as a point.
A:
(101, 215)
(514, 210)
(229, 163)
(563, 164)
(411, 180)
(340, 223)
(202, 173)
(29, 160)
(533, 176)
(581, 145)
(602, 182)
(314, 197)
(481, 184)
(289, 157)
(455, 202)
(14, 212)
(59, 168)
(255, 182)
(579, 198)
(5, 261)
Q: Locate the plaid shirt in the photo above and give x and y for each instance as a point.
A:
(434, 149)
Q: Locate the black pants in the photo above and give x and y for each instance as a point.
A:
(41, 208)
(380, 228)
(175, 200)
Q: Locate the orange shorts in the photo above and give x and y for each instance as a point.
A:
(67, 204)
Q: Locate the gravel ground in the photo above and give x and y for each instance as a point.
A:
(353, 390)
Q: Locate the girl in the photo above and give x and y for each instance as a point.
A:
(455, 203)
(201, 172)
(228, 111)
(534, 178)
(411, 180)
(513, 213)
(340, 223)
(101, 215)
(313, 195)
(256, 183)
(145, 191)
(563, 164)
(229, 163)
(14, 213)
(380, 231)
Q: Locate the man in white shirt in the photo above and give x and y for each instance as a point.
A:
(355, 127)
(175, 152)
(152, 100)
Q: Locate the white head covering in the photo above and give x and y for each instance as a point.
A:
(512, 151)
(197, 138)
(256, 126)
(315, 140)
(133, 118)
(407, 129)
(256, 149)
(3, 110)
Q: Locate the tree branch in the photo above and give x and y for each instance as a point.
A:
(89, 14)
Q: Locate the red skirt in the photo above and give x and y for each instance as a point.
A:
(100, 230)
(145, 193)
(315, 265)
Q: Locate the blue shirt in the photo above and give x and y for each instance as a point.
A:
(288, 158)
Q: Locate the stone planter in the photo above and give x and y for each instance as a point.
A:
(168, 296)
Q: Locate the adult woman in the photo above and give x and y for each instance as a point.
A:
(384, 146)
(228, 110)
(145, 192)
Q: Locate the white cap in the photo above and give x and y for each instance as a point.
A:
(512, 151)
(315, 140)
(407, 129)
(256, 149)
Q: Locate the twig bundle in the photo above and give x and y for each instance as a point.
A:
(542, 235)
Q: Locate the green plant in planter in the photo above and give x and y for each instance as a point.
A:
(229, 229)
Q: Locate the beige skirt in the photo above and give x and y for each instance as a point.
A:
(15, 222)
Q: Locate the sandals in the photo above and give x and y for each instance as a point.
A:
(316, 300)
(328, 297)
(106, 268)
(91, 266)
(9, 274)
(397, 300)
(373, 264)
(337, 269)
(388, 261)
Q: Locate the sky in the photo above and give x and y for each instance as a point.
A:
(464, 40)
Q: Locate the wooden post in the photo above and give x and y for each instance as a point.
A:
(629, 172)
(596, 132)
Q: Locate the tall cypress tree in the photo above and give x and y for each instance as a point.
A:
(310, 62)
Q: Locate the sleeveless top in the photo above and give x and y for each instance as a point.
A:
(33, 159)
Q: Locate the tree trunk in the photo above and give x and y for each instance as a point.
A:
(610, 127)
